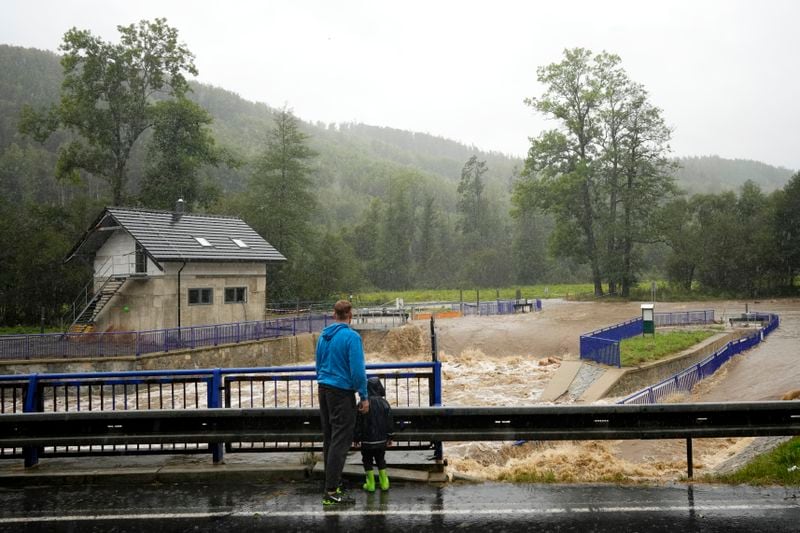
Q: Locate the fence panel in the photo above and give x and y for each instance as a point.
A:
(685, 380)
(406, 384)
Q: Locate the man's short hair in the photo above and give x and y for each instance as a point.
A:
(342, 309)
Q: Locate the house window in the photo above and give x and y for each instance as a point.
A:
(203, 242)
(235, 295)
(240, 243)
(201, 296)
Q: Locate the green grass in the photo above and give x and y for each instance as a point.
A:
(470, 295)
(646, 348)
(781, 466)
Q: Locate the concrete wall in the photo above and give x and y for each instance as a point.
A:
(152, 302)
(635, 379)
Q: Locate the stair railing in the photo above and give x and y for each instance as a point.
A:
(89, 294)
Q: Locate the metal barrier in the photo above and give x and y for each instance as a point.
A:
(602, 345)
(493, 307)
(584, 422)
(406, 385)
(686, 379)
(128, 343)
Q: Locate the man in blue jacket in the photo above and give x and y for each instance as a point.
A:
(341, 373)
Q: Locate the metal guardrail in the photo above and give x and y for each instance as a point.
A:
(406, 384)
(212, 427)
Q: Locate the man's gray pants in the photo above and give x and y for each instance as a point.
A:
(338, 413)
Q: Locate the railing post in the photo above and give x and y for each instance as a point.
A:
(438, 451)
(30, 454)
(214, 397)
(309, 322)
(294, 326)
(238, 332)
(138, 346)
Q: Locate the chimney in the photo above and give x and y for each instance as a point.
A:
(180, 208)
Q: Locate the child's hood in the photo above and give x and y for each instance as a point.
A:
(375, 387)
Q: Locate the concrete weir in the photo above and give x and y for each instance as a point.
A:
(599, 381)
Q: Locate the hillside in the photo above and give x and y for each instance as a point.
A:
(356, 161)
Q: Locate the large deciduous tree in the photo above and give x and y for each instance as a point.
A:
(108, 97)
(603, 172)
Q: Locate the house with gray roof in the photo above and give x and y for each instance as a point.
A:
(164, 269)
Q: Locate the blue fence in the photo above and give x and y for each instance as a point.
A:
(495, 307)
(685, 380)
(602, 345)
(406, 385)
(118, 344)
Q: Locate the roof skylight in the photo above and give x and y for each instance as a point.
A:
(203, 242)
(240, 243)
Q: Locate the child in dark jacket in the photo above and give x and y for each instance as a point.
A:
(375, 430)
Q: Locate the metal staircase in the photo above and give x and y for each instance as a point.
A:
(93, 298)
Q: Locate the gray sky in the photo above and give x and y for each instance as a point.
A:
(726, 73)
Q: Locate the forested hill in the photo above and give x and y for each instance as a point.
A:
(356, 161)
(712, 174)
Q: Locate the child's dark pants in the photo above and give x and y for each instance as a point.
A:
(371, 456)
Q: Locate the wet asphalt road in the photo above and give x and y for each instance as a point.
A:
(485, 507)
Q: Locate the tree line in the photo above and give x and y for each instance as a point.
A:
(596, 197)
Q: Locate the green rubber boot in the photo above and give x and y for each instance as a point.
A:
(383, 477)
(369, 486)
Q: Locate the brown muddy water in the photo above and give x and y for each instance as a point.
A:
(509, 360)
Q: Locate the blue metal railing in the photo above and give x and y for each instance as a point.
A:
(602, 345)
(128, 343)
(686, 379)
(406, 385)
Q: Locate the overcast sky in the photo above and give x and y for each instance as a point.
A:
(726, 73)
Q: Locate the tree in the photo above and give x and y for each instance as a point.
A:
(107, 97)
(280, 188)
(471, 203)
(603, 173)
(181, 143)
(280, 200)
(786, 228)
(563, 160)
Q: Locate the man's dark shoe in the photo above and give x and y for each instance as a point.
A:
(338, 498)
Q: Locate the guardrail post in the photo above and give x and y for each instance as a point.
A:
(30, 453)
(309, 322)
(689, 461)
(214, 402)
